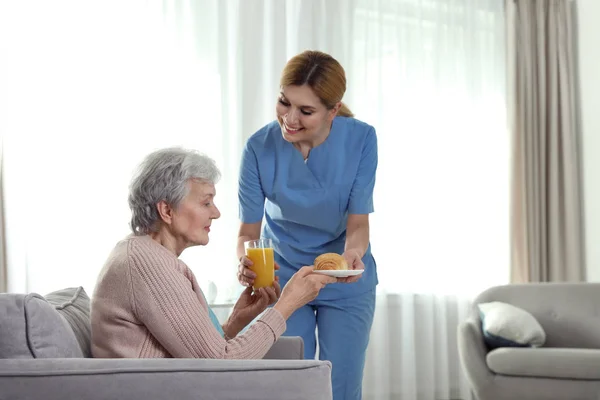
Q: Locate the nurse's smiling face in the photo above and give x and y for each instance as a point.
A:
(302, 116)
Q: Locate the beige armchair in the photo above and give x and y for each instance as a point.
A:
(566, 367)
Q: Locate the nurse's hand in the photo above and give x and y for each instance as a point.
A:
(354, 262)
(245, 275)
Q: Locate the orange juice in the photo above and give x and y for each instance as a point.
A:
(263, 266)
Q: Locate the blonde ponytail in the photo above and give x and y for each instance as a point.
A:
(344, 111)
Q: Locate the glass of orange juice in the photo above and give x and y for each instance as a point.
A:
(263, 261)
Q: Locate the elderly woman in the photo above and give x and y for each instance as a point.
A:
(147, 302)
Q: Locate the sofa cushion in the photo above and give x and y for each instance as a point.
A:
(178, 379)
(505, 325)
(562, 363)
(31, 328)
(74, 305)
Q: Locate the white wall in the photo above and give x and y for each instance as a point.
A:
(588, 32)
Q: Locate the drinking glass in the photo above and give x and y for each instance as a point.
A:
(260, 251)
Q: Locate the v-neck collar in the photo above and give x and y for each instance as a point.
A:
(320, 147)
(327, 139)
(305, 169)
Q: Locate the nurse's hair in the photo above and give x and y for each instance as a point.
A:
(322, 73)
(163, 175)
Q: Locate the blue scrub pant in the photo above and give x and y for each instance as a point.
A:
(343, 334)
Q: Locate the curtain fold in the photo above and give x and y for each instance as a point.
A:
(412, 352)
(86, 105)
(546, 204)
(3, 261)
(3, 112)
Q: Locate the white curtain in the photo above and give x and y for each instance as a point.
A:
(431, 76)
(95, 86)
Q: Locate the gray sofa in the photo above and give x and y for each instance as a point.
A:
(566, 367)
(44, 354)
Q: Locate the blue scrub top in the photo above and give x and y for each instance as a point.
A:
(306, 205)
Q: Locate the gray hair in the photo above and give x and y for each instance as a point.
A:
(163, 175)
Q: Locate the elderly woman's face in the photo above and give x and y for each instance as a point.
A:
(192, 218)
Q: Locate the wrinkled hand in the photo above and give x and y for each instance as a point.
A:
(354, 262)
(245, 275)
(303, 287)
(251, 304)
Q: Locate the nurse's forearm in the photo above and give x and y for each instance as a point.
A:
(357, 233)
(247, 232)
(240, 246)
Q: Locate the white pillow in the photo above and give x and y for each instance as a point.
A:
(505, 325)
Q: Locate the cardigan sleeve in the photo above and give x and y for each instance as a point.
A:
(167, 305)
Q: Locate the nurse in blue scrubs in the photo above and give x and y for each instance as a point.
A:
(310, 176)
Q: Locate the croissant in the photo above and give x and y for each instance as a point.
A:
(330, 261)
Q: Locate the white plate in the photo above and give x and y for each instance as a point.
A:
(339, 273)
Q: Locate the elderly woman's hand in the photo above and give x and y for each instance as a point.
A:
(252, 303)
(245, 275)
(303, 287)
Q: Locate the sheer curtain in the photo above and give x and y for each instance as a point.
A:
(93, 88)
(430, 75)
(88, 102)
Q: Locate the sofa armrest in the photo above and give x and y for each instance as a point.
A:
(286, 348)
(472, 353)
(182, 379)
